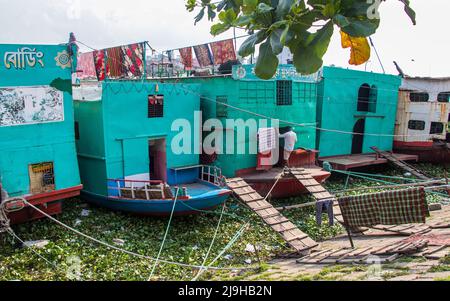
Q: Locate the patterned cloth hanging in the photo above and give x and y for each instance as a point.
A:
(186, 57)
(396, 207)
(203, 55)
(100, 64)
(86, 66)
(223, 51)
(133, 60)
(115, 65)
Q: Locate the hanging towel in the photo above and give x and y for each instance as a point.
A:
(115, 64)
(223, 51)
(325, 206)
(186, 57)
(266, 139)
(203, 55)
(86, 66)
(133, 60)
(396, 207)
(100, 64)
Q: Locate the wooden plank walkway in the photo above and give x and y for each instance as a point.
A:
(401, 164)
(316, 189)
(298, 240)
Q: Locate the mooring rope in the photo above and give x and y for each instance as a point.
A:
(126, 251)
(166, 234)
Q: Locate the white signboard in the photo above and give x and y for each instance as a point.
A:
(30, 105)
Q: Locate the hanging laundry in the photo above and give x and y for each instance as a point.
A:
(186, 57)
(115, 64)
(170, 55)
(266, 148)
(223, 51)
(397, 207)
(203, 55)
(86, 66)
(325, 206)
(133, 60)
(100, 64)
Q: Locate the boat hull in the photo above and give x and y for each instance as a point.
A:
(438, 153)
(286, 187)
(191, 206)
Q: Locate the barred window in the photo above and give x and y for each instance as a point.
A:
(221, 108)
(364, 98)
(417, 125)
(155, 106)
(437, 128)
(284, 92)
(419, 97)
(444, 97)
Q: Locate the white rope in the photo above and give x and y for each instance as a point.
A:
(165, 235)
(300, 124)
(213, 240)
(125, 251)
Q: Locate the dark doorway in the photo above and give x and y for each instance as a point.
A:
(358, 136)
(158, 160)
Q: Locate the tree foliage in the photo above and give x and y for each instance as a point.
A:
(304, 26)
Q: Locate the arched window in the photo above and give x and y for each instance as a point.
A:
(444, 97)
(364, 98)
(373, 99)
(419, 97)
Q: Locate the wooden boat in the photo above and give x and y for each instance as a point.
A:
(422, 117)
(287, 187)
(155, 198)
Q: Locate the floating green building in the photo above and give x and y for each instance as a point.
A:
(37, 143)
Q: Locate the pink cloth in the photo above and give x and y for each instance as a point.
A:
(86, 66)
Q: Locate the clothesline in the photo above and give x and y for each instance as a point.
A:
(223, 40)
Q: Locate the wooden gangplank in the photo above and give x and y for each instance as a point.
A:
(401, 164)
(298, 240)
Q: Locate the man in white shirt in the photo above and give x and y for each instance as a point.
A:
(290, 139)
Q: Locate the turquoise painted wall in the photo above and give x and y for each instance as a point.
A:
(23, 145)
(337, 110)
(258, 96)
(115, 132)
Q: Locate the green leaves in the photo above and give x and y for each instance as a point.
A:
(267, 63)
(292, 24)
(308, 54)
(248, 47)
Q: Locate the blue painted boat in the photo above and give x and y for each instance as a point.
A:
(132, 197)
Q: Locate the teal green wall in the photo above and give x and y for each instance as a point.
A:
(91, 145)
(23, 145)
(115, 132)
(337, 110)
(258, 96)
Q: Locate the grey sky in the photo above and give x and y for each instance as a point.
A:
(166, 24)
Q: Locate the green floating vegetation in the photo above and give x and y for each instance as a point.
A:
(71, 257)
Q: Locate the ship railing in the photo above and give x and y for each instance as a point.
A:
(136, 189)
(213, 175)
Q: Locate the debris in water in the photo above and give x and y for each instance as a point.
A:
(39, 244)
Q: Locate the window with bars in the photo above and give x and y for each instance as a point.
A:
(284, 92)
(155, 106)
(419, 97)
(417, 125)
(437, 128)
(221, 108)
(444, 97)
